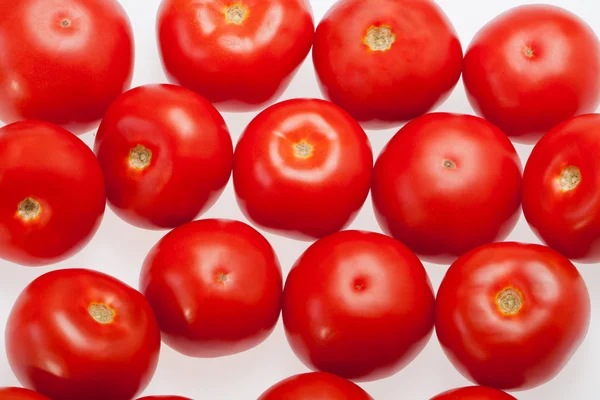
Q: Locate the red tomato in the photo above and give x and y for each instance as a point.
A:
(215, 287)
(52, 193)
(80, 334)
(302, 168)
(386, 61)
(361, 294)
(474, 393)
(164, 398)
(315, 386)
(63, 61)
(531, 68)
(446, 184)
(239, 55)
(511, 315)
(561, 188)
(20, 394)
(166, 154)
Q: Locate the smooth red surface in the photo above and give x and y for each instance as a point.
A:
(20, 394)
(67, 75)
(568, 221)
(315, 386)
(474, 393)
(44, 162)
(54, 345)
(164, 398)
(215, 287)
(384, 88)
(302, 197)
(527, 96)
(238, 67)
(359, 305)
(441, 213)
(191, 155)
(522, 350)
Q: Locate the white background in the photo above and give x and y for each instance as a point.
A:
(119, 249)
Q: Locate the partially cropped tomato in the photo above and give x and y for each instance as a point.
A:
(531, 68)
(81, 334)
(446, 184)
(52, 195)
(315, 386)
(474, 393)
(166, 154)
(238, 54)
(386, 61)
(20, 394)
(561, 188)
(63, 61)
(511, 315)
(215, 287)
(302, 168)
(359, 305)
(164, 398)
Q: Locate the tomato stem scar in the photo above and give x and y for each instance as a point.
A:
(449, 164)
(29, 209)
(570, 177)
(509, 301)
(236, 14)
(303, 149)
(529, 52)
(140, 157)
(101, 313)
(380, 38)
(65, 23)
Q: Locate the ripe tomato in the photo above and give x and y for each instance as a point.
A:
(215, 287)
(20, 394)
(386, 61)
(80, 334)
(239, 55)
(52, 195)
(531, 68)
(302, 168)
(315, 386)
(358, 293)
(166, 154)
(511, 315)
(446, 184)
(474, 393)
(63, 61)
(561, 188)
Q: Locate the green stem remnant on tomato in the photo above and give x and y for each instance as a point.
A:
(570, 177)
(380, 38)
(140, 157)
(509, 301)
(29, 209)
(236, 14)
(101, 313)
(303, 149)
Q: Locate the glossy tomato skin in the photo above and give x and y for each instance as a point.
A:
(189, 160)
(302, 168)
(238, 64)
(382, 88)
(511, 315)
(63, 61)
(315, 386)
(474, 393)
(531, 68)
(52, 193)
(446, 184)
(358, 293)
(197, 281)
(70, 346)
(561, 189)
(14, 393)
